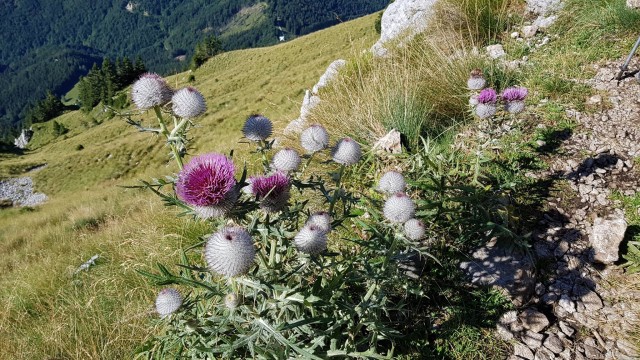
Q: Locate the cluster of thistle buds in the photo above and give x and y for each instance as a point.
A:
(485, 100)
(207, 183)
(399, 208)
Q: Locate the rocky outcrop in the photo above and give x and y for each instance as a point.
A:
(22, 141)
(403, 18)
(20, 192)
(329, 74)
(544, 7)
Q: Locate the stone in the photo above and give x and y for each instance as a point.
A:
(543, 7)
(534, 320)
(20, 192)
(22, 141)
(634, 4)
(544, 354)
(329, 74)
(566, 304)
(391, 143)
(545, 22)
(309, 103)
(503, 332)
(504, 268)
(566, 329)
(532, 339)
(605, 238)
(593, 353)
(529, 31)
(403, 18)
(553, 343)
(521, 350)
(627, 348)
(495, 51)
(591, 301)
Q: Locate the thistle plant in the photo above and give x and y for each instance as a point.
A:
(486, 106)
(275, 279)
(513, 98)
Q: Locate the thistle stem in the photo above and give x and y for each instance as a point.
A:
(272, 252)
(168, 136)
(334, 198)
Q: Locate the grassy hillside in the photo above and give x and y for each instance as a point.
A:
(49, 311)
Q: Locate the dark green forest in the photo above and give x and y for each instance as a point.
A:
(48, 45)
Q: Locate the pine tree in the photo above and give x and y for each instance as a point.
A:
(109, 82)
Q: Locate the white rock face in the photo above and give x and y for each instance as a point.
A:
(22, 141)
(330, 74)
(605, 239)
(543, 7)
(308, 103)
(403, 17)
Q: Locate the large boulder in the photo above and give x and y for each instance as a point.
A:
(403, 18)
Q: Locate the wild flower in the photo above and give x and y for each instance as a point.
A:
(311, 239)
(188, 103)
(399, 208)
(149, 91)
(414, 229)
(272, 191)
(487, 96)
(346, 152)
(514, 99)
(486, 106)
(286, 160)
(231, 301)
(392, 182)
(257, 128)
(314, 138)
(207, 181)
(476, 80)
(168, 301)
(230, 252)
(321, 219)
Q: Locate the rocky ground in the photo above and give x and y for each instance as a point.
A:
(567, 308)
(19, 191)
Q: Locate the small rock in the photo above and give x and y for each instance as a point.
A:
(390, 143)
(595, 99)
(529, 31)
(605, 238)
(544, 354)
(496, 51)
(545, 22)
(591, 301)
(566, 304)
(592, 353)
(634, 4)
(532, 339)
(515, 35)
(554, 344)
(627, 348)
(541, 143)
(520, 349)
(534, 320)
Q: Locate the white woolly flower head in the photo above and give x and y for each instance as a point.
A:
(346, 152)
(168, 301)
(321, 219)
(399, 208)
(286, 160)
(314, 138)
(188, 103)
(230, 251)
(414, 229)
(149, 91)
(476, 80)
(257, 128)
(485, 111)
(311, 239)
(220, 209)
(231, 301)
(514, 107)
(392, 182)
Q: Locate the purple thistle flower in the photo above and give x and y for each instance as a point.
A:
(188, 103)
(271, 190)
(487, 96)
(514, 94)
(206, 180)
(149, 91)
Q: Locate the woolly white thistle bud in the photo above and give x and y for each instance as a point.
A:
(230, 251)
(485, 110)
(314, 138)
(399, 208)
(231, 301)
(346, 152)
(220, 209)
(188, 103)
(311, 239)
(286, 160)
(414, 229)
(149, 91)
(476, 80)
(392, 182)
(321, 219)
(257, 128)
(168, 301)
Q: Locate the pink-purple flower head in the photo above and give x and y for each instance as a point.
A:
(487, 96)
(206, 180)
(514, 94)
(149, 91)
(272, 191)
